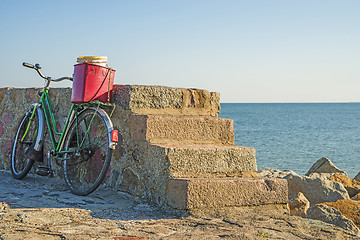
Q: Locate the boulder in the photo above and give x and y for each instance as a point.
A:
(299, 204)
(351, 185)
(357, 177)
(349, 208)
(274, 173)
(333, 216)
(324, 165)
(316, 190)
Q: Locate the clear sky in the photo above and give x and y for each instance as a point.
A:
(249, 51)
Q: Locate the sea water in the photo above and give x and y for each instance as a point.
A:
(293, 136)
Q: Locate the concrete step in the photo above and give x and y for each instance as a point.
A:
(184, 129)
(153, 164)
(194, 193)
(166, 100)
(204, 160)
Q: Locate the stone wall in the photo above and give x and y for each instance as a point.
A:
(169, 136)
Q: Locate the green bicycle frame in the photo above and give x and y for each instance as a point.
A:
(28, 126)
(51, 123)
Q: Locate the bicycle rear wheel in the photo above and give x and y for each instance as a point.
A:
(88, 137)
(24, 141)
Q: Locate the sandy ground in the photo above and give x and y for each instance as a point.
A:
(42, 208)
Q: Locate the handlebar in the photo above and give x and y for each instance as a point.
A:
(28, 65)
(37, 67)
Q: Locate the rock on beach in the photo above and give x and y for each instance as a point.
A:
(323, 193)
(351, 185)
(331, 215)
(349, 208)
(316, 190)
(324, 165)
(299, 204)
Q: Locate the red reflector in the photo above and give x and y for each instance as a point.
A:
(114, 135)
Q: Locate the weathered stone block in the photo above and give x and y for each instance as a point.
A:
(208, 160)
(191, 193)
(184, 129)
(166, 100)
(154, 164)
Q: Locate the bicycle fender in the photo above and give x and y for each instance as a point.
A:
(39, 142)
(109, 126)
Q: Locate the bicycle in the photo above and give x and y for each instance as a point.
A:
(85, 145)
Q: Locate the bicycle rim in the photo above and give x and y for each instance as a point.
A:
(24, 139)
(87, 167)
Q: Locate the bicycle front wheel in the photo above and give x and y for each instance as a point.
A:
(24, 140)
(86, 167)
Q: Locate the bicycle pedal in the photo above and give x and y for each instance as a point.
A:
(43, 171)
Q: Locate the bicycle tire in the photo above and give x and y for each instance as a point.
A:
(87, 167)
(20, 164)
